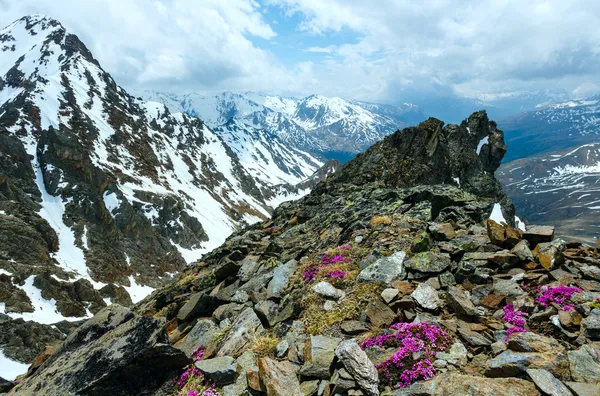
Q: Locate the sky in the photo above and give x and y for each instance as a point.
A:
(385, 51)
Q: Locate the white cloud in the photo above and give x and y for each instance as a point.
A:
(382, 50)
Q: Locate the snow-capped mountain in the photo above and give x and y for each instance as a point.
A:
(553, 127)
(560, 188)
(317, 124)
(103, 196)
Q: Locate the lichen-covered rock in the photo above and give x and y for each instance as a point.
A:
(279, 378)
(105, 365)
(244, 329)
(459, 384)
(585, 363)
(357, 363)
(427, 297)
(319, 354)
(548, 383)
(385, 269)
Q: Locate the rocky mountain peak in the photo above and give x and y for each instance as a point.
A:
(464, 155)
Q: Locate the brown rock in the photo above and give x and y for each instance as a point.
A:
(459, 384)
(538, 234)
(404, 287)
(492, 301)
(380, 314)
(279, 378)
(532, 342)
(503, 235)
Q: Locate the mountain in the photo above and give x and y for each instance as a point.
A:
(104, 197)
(331, 127)
(500, 105)
(553, 127)
(400, 277)
(561, 188)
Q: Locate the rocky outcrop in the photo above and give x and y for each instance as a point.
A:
(359, 287)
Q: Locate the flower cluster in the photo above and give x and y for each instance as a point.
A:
(210, 391)
(186, 376)
(515, 318)
(418, 343)
(327, 260)
(336, 274)
(198, 353)
(559, 295)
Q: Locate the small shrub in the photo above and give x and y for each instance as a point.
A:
(377, 220)
(265, 346)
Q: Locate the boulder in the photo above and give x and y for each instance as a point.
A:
(427, 297)
(357, 363)
(503, 235)
(591, 324)
(281, 278)
(429, 262)
(522, 251)
(583, 389)
(104, 366)
(244, 330)
(380, 314)
(204, 333)
(585, 363)
(199, 304)
(327, 290)
(384, 269)
(453, 383)
(509, 363)
(548, 383)
(538, 234)
(460, 302)
(549, 254)
(279, 378)
(532, 342)
(221, 370)
(319, 354)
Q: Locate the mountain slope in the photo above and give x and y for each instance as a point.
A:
(553, 127)
(362, 286)
(317, 124)
(112, 195)
(561, 188)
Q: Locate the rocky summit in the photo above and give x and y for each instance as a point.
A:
(405, 272)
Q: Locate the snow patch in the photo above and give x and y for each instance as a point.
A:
(497, 215)
(481, 143)
(136, 291)
(11, 369)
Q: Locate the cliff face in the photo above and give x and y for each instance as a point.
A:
(390, 272)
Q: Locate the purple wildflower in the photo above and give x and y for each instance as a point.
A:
(515, 318)
(559, 295)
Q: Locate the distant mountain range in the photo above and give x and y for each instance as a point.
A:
(332, 128)
(552, 127)
(560, 188)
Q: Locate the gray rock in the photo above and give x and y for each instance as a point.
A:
(203, 333)
(506, 287)
(537, 234)
(221, 369)
(427, 297)
(429, 262)
(452, 383)
(456, 355)
(281, 279)
(583, 389)
(139, 346)
(549, 254)
(353, 327)
(244, 330)
(389, 294)
(498, 347)
(592, 326)
(585, 363)
(310, 388)
(356, 361)
(269, 311)
(522, 251)
(380, 314)
(327, 290)
(460, 301)
(474, 338)
(590, 271)
(509, 363)
(330, 305)
(279, 378)
(384, 269)
(249, 267)
(446, 280)
(198, 305)
(548, 383)
(320, 353)
(282, 348)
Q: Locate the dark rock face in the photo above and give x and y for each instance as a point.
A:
(131, 359)
(433, 154)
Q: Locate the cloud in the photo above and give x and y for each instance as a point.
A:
(388, 50)
(174, 44)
